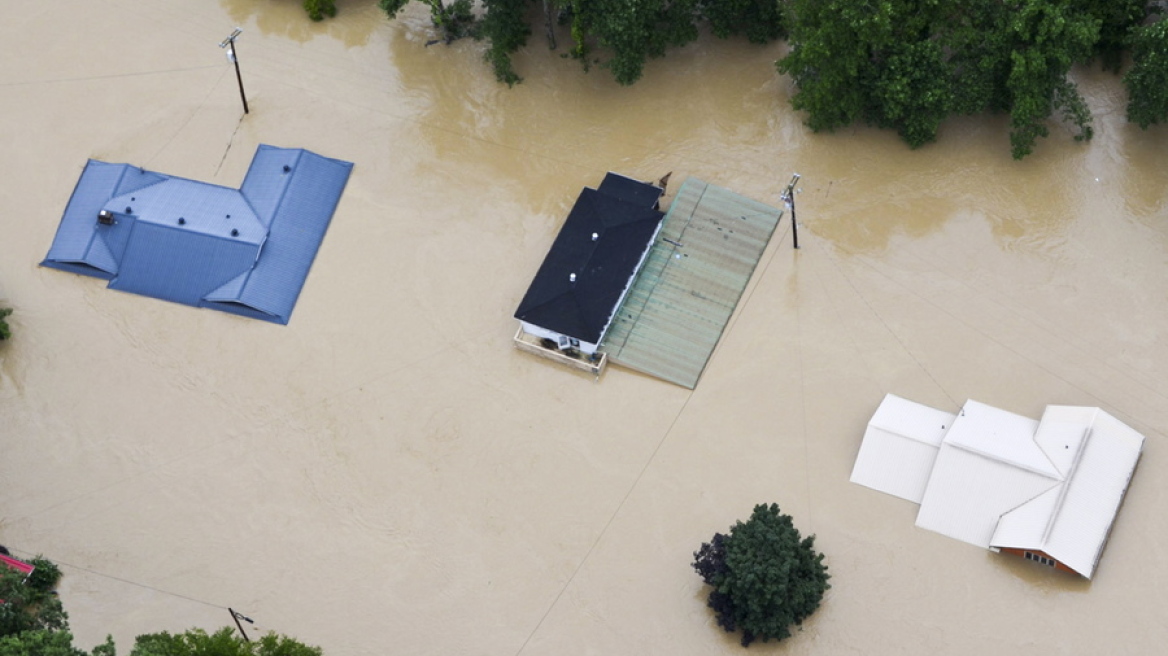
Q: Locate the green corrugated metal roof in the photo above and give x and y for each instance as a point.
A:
(675, 312)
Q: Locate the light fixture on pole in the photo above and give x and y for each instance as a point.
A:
(229, 43)
(236, 615)
(788, 197)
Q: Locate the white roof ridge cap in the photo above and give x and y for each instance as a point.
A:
(1058, 504)
(1056, 476)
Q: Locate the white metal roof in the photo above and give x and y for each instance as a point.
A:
(899, 447)
(1000, 435)
(1072, 523)
(995, 479)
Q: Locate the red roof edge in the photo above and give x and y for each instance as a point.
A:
(17, 565)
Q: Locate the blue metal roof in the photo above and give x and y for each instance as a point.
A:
(246, 251)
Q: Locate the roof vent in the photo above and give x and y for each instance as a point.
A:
(129, 210)
(229, 216)
(182, 221)
(595, 236)
(105, 217)
(287, 168)
(234, 232)
(572, 277)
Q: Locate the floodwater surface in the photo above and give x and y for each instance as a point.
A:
(387, 475)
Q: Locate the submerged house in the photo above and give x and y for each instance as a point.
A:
(246, 251)
(604, 241)
(1046, 490)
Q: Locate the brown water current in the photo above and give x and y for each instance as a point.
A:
(387, 475)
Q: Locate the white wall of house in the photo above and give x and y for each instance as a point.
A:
(587, 348)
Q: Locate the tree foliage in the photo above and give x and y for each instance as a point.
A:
(620, 35)
(318, 9)
(765, 576)
(1147, 80)
(909, 64)
(33, 623)
(224, 642)
(43, 642)
(31, 605)
(5, 331)
(454, 19)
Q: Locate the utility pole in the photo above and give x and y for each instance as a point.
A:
(788, 197)
(237, 616)
(229, 43)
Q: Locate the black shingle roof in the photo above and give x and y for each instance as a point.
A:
(623, 223)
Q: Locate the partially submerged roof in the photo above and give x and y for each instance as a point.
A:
(246, 251)
(998, 480)
(675, 313)
(592, 260)
(18, 565)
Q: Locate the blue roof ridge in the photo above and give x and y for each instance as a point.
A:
(275, 210)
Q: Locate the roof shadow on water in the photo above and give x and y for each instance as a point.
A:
(354, 23)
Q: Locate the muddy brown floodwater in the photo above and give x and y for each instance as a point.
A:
(387, 475)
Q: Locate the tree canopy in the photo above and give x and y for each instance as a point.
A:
(318, 9)
(904, 65)
(765, 576)
(43, 642)
(620, 35)
(224, 642)
(33, 623)
(1147, 81)
(909, 64)
(31, 605)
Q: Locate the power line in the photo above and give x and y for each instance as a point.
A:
(29, 554)
(104, 77)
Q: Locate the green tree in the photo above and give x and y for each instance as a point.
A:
(765, 576)
(760, 20)
(909, 64)
(5, 331)
(505, 27)
(455, 20)
(224, 642)
(31, 605)
(318, 9)
(1116, 20)
(1044, 38)
(620, 35)
(1147, 80)
(49, 643)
